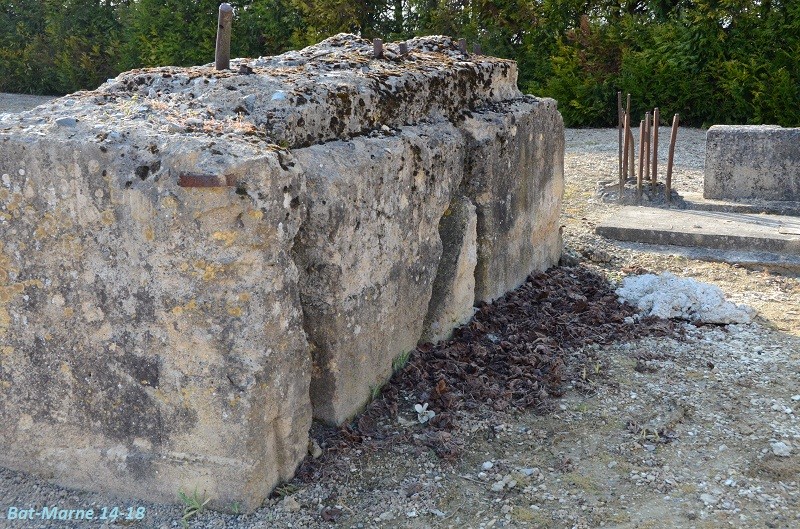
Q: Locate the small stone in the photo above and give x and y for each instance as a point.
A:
(796, 398)
(781, 449)
(611, 464)
(498, 486)
(314, 449)
(291, 504)
(708, 499)
(487, 465)
(66, 122)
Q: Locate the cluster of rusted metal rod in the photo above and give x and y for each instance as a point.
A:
(648, 149)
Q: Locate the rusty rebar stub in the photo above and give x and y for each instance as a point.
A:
(205, 180)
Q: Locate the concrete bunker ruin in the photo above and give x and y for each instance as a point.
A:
(194, 263)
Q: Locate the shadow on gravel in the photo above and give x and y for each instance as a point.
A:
(517, 352)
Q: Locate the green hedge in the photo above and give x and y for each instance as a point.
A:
(712, 61)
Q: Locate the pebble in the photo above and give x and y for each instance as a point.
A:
(708, 499)
(291, 504)
(66, 122)
(487, 465)
(781, 449)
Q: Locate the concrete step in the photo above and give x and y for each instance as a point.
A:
(777, 234)
(772, 207)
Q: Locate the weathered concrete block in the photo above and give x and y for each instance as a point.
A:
(453, 294)
(515, 176)
(752, 162)
(191, 259)
(368, 253)
(151, 335)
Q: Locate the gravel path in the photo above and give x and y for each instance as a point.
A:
(696, 431)
(21, 102)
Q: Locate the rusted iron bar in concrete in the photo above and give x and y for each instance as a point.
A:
(647, 146)
(377, 48)
(628, 138)
(619, 134)
(656, 121)
(403, 49)
(641, 161)
(222, 56)
(462, 45)
(631, 153)
(205, 180)
(671, 156)
(625, 148)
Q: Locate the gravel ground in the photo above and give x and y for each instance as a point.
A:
(20, 102)
(699, 430)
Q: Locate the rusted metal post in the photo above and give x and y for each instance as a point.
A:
(222, 57)
(631, 153)
(670, 157)
(641, 160)
(403, 49)
(477, 50)
(656, 121)
(619, 133)
(462, 45)
(377, 48)
(628, 152)
(647, 146)
(625, 148)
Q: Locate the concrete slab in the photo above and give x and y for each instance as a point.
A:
(708, 229)
(770, 207)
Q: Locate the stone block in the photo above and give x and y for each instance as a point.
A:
(752, 162)
(515, 177)
(368, 253)
(150, 335)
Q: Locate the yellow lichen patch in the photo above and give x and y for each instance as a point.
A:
(6, 350)
(244, 297)
(7, 293)
(65, 369)
(5, 321)
(33, 283)
(68, 312)
(108, 217)
(235, 311)
(255, 214)
(169, 202)
(205, 270)
(180, 309)
(149, 234)
(228, 237)
(4, 194)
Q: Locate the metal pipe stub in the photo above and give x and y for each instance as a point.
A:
(222, 58)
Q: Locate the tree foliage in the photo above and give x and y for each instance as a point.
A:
(713, 61)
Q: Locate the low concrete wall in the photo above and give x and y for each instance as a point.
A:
(195, 263)
(752, 162)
